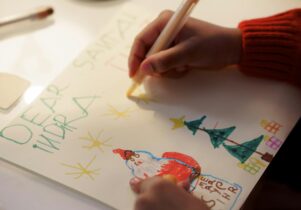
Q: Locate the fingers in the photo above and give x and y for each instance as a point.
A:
(135, 184)
(174, 73)
(176, 57)
(145, 39)
(170, 178)
(152, 184)
(139, 186)
(185, 185)
(164, 193)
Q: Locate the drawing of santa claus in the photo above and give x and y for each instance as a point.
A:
(144, 164)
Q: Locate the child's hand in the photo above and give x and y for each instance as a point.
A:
(198, 45)
(157, 193)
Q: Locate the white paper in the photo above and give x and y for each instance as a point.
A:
(69, 134)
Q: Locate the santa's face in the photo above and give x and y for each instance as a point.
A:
(136, 159)
(143, 165)
(140, 160)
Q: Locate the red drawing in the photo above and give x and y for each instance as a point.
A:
(144, 164)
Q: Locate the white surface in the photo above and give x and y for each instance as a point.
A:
(38, 52)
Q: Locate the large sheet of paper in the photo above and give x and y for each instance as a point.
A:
(219, 130)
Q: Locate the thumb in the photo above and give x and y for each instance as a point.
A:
(163, 61)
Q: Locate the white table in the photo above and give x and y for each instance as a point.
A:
(40, 51)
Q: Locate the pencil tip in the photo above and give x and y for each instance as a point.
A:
(132, 89)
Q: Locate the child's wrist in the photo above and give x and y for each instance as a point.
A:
(235, 46)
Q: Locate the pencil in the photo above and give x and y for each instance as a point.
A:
(37, 14)
(167, 35)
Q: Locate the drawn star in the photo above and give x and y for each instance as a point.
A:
(178, 122)
(82, 170)
(96, 143)
(117, 113)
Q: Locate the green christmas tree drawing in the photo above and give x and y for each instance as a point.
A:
(243, 151)
(195, 124)
(218, 137)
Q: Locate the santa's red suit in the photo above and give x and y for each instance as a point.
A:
(143, 164)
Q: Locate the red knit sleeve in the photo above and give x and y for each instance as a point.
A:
(271, 46)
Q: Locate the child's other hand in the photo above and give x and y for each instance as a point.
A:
(157, 193)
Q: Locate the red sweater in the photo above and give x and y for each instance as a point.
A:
(271, 46)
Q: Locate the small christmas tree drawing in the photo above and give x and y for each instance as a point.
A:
(243, 151)
(194, 125)
(220, 136)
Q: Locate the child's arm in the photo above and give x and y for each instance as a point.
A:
(265, 47)
(272, 46)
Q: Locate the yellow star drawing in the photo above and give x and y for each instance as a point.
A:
(178, 122)
(96, 142)
(82, 170)
(118, 114)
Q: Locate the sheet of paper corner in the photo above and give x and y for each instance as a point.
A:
(12, 88)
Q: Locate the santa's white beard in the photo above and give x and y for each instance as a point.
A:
(148, 168)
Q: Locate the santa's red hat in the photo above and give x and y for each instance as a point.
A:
(125, 154)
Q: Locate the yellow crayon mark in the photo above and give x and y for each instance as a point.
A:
(252, 166)
(178, 122)
(96, 142)
(264, 123)
(117, 113)
(81, 170)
